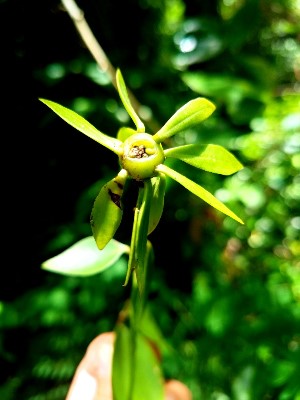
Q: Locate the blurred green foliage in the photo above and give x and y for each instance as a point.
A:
(225, 297)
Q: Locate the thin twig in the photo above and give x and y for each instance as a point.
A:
(77, 16)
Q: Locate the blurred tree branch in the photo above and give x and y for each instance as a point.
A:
(77, 16)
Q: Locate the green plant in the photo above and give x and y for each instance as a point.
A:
(142, 158)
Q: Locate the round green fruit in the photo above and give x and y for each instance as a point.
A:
(141, 155)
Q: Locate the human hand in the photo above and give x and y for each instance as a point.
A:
(92, 379)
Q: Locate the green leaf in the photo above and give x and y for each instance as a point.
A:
(192, 113)
(82, 125)
(157, 202)
(127, 103)
(124, 133)
(107, 210)
(210, 157)
(136, 371)
(198, 191)
(84, 258)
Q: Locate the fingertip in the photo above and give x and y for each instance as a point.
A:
(92, 379)
(99, 354)
(104, 339)
(176, 390)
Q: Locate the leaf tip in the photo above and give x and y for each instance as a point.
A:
(238, 219)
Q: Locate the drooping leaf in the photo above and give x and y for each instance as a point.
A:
(127, 103)
(209, 157)
(191, 114)
(107, 210)
(84, 258)
(136, 371)
(198, 191)
(82, 125)
(157, 203)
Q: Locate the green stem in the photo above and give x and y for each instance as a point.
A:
(140, 256)
(132, 262)
(138, 245)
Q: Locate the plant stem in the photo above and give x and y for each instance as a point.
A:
(77, 16)
(138, 259)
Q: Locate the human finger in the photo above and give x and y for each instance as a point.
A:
(176, 390)
(92, 379)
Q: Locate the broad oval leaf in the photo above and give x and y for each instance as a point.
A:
(107, 210)
(136, 373)
(82, 125)
(192, 113)
(198, 191)
(127, 103)
(210, 157)
(84, 258)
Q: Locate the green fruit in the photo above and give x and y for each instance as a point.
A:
(141, 155)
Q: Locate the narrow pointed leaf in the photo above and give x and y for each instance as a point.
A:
(82, 125)
(107, 211)
(127, 103)
(84, 258)
(191, 114)
(210, 157)
(198, 191)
